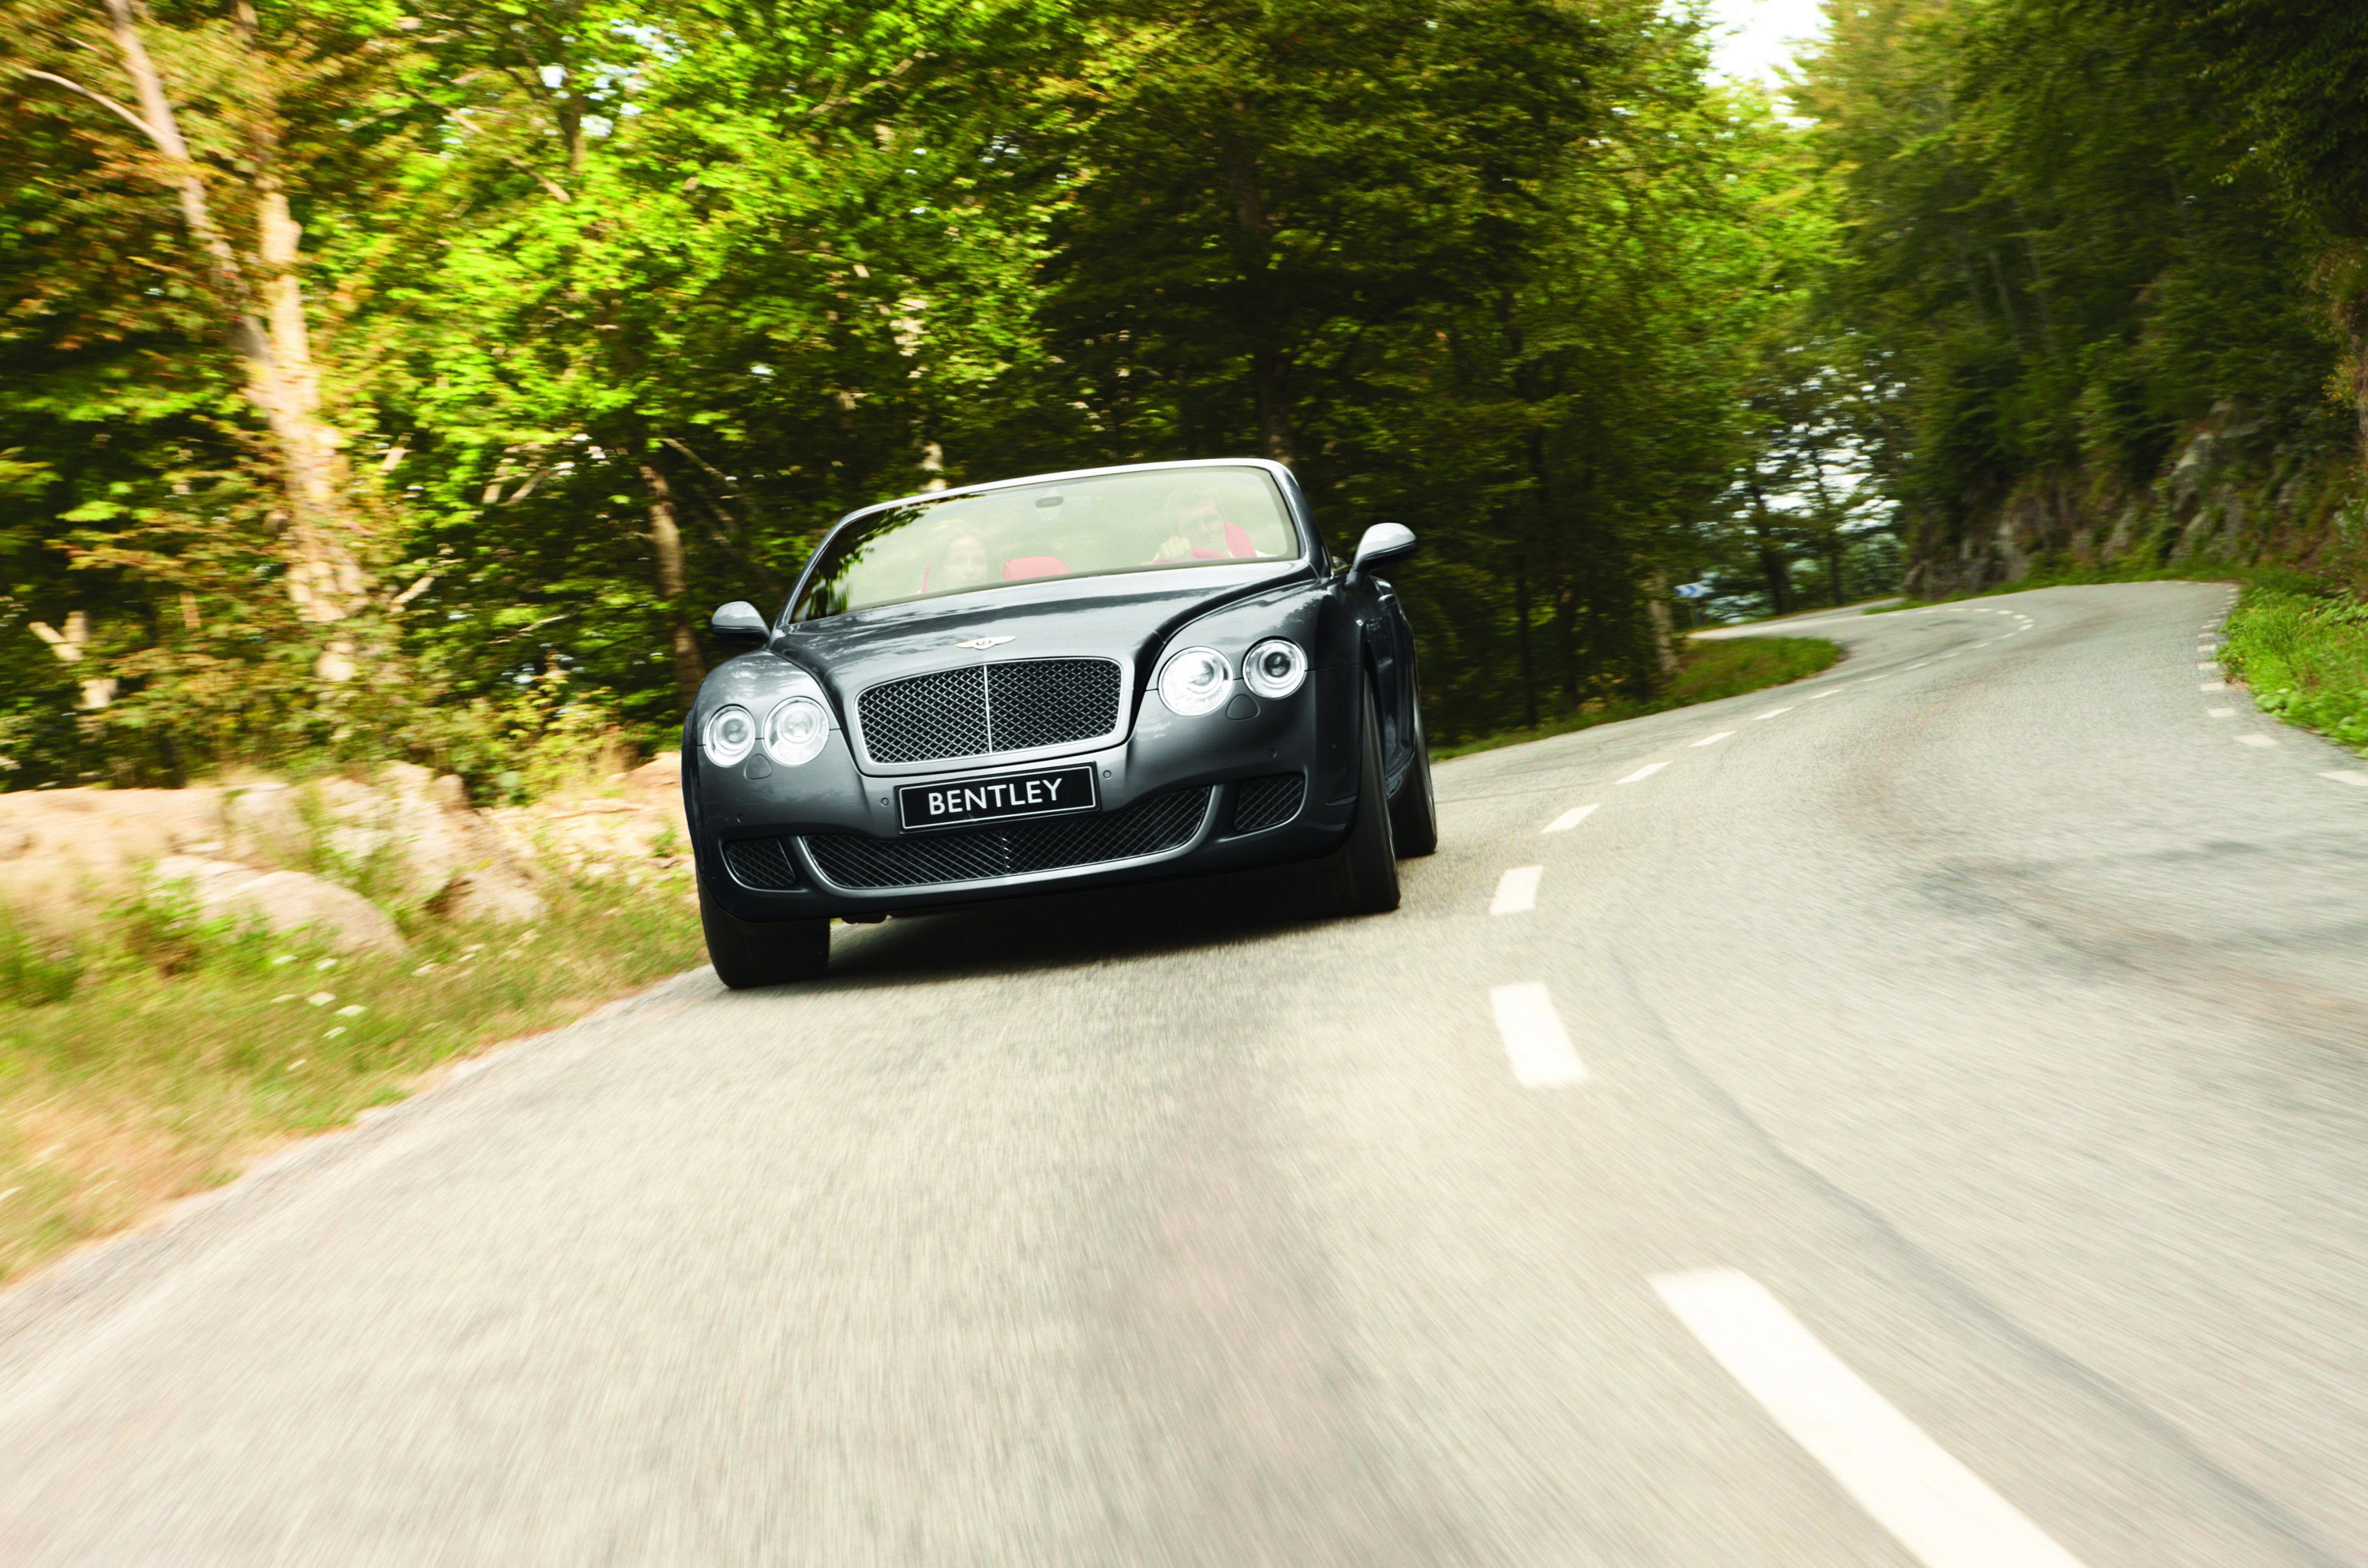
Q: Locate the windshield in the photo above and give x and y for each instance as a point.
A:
(1149, 520)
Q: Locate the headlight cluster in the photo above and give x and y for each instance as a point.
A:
(1198, 680)
(1275, 667)
(1195, 681)
(796, 732)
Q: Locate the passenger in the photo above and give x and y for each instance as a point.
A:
(963, 563)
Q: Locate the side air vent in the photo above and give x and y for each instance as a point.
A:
(1260, 804)
(763, 864)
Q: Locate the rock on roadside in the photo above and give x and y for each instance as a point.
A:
(283, 901)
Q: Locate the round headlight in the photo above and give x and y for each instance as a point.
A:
(796, 731)
(1275, 669)
(1195, 681)
(730, 735)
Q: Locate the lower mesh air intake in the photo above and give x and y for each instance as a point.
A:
(1149, 826)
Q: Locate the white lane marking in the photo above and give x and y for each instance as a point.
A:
(1541, 1053)
(2211, 686)
(2209, 664)
(2347, 776)
(1568, 820)
(1771, 713)
(1948, 655)
(1919, 664)
(1985, 643)
(2221, 713)
(2255, 740)
(1818, 697)
(1517, 891)
(1870, 677)
(1943, 1513)
(1711, 740)
(1644, 772)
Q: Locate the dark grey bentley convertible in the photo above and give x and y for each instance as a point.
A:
(1072, 680)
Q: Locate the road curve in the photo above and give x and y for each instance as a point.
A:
(1918, 1115)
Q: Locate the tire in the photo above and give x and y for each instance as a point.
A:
(1414, 811)
(748, 953)
(1361, 876)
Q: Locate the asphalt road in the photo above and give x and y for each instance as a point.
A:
(1928, 1124)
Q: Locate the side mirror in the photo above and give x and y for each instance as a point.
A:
(738, 625)
(1383, 543)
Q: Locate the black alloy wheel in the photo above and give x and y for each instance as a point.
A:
(1361, 876)
(1414, 811)
(750, 953)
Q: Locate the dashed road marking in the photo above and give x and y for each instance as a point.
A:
(2347, 776)
(1517, 891)
(2211, 685)
(2255, 740)
(1816, 697)
(1541, 1052)
(1771, 713)
(1712, 739)
(1568, 820)
(1919, 664)
(1644, 772)
(1943, 1513)
(2209, 664)
(2221, 713)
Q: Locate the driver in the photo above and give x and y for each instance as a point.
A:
(1200, 531)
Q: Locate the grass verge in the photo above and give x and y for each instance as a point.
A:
(162, 1053)
(1728, 667)
(2305, 657)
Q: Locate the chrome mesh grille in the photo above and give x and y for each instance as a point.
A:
(1011, 706)
(761, 863)
(1047, 702)
(1147, 827)
(1267, 803)
(925, 717)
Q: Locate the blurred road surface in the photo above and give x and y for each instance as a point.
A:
(1919, 1115)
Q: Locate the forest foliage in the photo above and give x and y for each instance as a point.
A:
(2097, 260)
(413, 378)
(384, 380)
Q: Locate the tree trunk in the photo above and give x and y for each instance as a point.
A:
(2351, 320)
(1664, 641)
(1522, 614)
(666, 551)
(1566, 640)
(1772, 564)
(1269, 365)
(324, 576)
(1271, 371)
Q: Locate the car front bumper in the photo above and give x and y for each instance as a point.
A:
(1312, 733)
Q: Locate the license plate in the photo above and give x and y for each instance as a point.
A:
(1052, 793)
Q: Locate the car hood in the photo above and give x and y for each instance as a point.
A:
(1127, 617)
